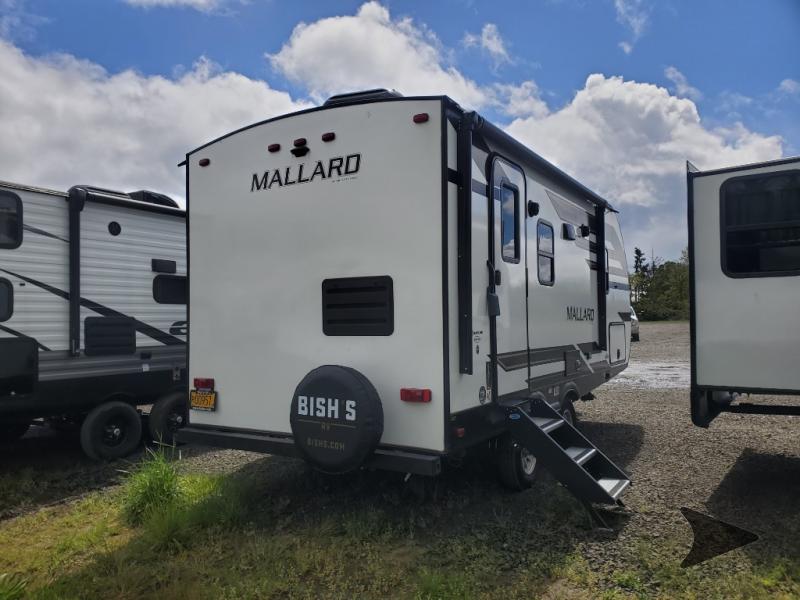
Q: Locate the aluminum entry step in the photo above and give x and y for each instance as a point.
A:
(580, 455)
(614, 487)
(547, 425)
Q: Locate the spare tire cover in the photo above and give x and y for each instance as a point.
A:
(336, 418)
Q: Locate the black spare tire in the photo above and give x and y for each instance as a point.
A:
(336, 418)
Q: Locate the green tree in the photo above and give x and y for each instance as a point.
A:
(664, 294)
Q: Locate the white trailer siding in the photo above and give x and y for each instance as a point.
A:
(258, 260)
(746, 329)
(42, 256)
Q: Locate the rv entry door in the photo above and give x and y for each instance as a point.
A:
(508, 281)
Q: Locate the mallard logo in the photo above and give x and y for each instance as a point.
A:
(579, 313)
(338, 167)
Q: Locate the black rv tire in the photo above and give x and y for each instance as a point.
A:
(11, 432)
(334, 444)
(168, 415)
(516, 466)
(111, 430)
(568, 411)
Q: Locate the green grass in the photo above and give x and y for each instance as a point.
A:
(273, 532)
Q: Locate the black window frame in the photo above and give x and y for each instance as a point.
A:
(724, 229)
(506, 183)
(10, 286)
(163, 277)
(18, 201)
(546, 253)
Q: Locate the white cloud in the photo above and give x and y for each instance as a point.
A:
(490, 41)
(370, 49)
(523, 100)
(630, 140)
(72, 122)
(635, 15)
(201, 5)
(789, 87)
(682, 87)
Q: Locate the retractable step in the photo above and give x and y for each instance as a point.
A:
(569, 456)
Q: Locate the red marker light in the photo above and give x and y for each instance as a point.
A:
(299, 142)
(204, 162)
(415, 395)
(274, 147)
(460, 432)
(328, 137)
(421, 118)
(204, 383)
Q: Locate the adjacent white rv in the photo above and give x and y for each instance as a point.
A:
(384, 281)
(92, 312)
(744, 253)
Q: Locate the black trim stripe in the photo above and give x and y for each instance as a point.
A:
(44, 233)
(625, 316)
(143, 328)
(453, 176)
(519, 359)
(18, 334)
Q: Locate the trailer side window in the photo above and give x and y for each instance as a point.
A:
(170, 289)
(10, 221)
(6, 300)
(545, 251)
(760, 218)
(509, 223)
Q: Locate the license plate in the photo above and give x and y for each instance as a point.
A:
(200, 400)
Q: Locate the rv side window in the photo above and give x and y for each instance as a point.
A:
(545, 252)
(170, 289)
(6, 300)
(761, 225)
(509, 223)
(10, 220)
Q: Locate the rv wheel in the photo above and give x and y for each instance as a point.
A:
(11, 432)
(568, 411)
(336, 418)
(111, 430)
(168, 414)
(516, 466)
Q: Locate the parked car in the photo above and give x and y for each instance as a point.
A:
(634, 326)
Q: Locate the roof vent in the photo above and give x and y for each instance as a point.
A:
(362, 96)
(153, 198)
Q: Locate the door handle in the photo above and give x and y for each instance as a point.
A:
(497, 278)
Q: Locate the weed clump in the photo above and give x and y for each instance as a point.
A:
(12, 586)
(172, 507)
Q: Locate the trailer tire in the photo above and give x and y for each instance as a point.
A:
(11, 432)
(516, 466)
(567, 410)
(111, 430)
(168, 415)
(349, 425)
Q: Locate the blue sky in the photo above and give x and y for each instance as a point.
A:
(713, 81)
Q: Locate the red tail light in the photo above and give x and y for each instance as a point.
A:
(415, 395)
(421, 118)
(204, 383)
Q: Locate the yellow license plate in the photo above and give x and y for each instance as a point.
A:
(203, 400)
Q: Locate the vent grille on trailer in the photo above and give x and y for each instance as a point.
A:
(358, 306)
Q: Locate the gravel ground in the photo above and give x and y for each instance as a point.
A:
(744, 470)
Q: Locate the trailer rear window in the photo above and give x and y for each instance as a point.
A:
(6, 300)
(760, 217)
(509, 223)
(170, 289)
(545, 250)
(10, 221)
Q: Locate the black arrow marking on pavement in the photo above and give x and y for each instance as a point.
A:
(712, 537)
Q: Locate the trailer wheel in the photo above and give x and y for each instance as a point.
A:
(167, 416)
(568, 410)
(111, 430)
(11, 432)
(516, 466)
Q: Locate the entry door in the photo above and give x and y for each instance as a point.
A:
(508, 258)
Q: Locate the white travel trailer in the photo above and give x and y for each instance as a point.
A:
(384, 281)
(92, 313)
(744, 260)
